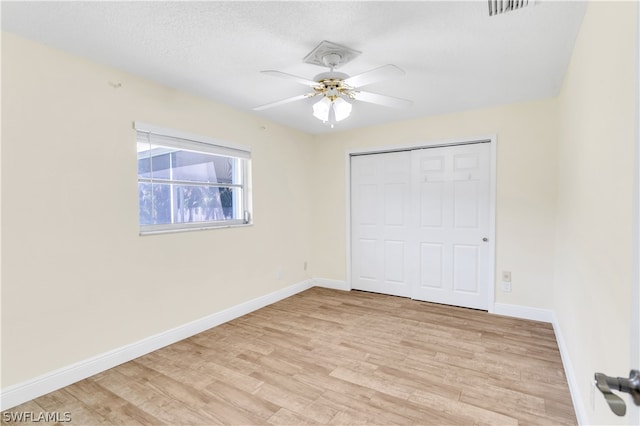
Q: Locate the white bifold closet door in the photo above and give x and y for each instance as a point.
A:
(381, 222)
(420, 224)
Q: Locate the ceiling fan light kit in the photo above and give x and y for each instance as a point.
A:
(331, 110)
(335, 87)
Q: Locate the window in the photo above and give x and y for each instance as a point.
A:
(190, 182)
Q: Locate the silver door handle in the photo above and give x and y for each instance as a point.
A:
(605, 384)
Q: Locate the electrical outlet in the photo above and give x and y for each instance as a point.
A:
(506, 287)
(305, 265)
(279, 274)
(506, 276)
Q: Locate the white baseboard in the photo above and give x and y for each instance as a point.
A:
(569, 372)
(49, 382)
(524, 312)
(334, 284)
(548, 315)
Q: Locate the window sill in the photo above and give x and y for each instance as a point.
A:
(200, 227)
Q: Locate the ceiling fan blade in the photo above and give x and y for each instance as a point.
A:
(301, 80)
(283, 101)
(385, 100)
(384, 72)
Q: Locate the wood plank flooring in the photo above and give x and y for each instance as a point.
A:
(331, 357)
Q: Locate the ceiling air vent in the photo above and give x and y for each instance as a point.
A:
(497, 7)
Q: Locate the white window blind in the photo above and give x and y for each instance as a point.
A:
(158, 136)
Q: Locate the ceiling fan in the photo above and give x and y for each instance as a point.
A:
(335, 88)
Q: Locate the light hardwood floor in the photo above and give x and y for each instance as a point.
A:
(331, 357)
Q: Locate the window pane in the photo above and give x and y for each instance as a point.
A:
(190, 203)
(155, 203)
(201, 167)
(204, 203)
(166, 163)
(154, 161)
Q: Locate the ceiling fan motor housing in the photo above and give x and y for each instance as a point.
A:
(330, 75)
(331, 85)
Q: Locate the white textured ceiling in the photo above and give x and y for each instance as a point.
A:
(455, 55)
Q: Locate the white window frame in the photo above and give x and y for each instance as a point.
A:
(170, 138)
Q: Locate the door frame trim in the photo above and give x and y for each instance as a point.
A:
(492, 139)
(634, 339)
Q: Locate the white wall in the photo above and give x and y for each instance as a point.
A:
(592, 287)
(77, 279)
(526, 177)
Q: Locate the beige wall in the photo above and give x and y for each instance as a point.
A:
(595, 182)
(77, 280)
(526, 176)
